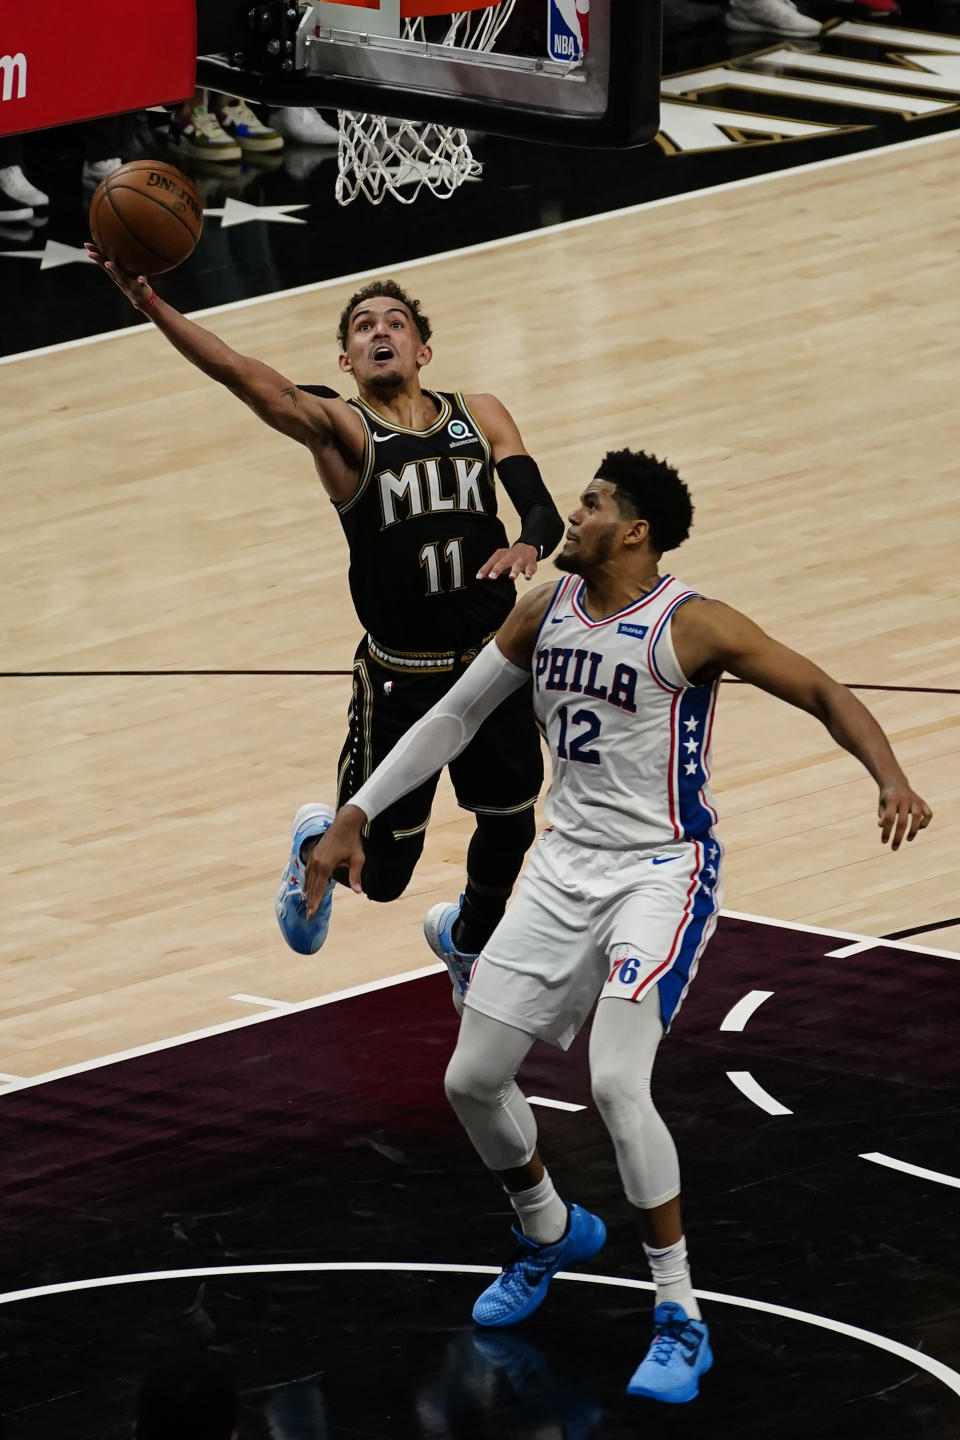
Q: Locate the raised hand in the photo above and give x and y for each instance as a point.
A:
(137, 288)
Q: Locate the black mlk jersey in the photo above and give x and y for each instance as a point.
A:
(421, 524)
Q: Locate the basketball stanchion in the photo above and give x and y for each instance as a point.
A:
(574, 72)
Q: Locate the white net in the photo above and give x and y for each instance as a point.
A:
(379, 156)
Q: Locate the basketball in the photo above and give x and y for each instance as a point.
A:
(146, 216)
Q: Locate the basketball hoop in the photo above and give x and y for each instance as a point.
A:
(378, 156)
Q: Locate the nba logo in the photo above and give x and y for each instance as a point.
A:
(568, 29)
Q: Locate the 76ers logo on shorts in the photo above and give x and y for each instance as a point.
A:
(568, 29)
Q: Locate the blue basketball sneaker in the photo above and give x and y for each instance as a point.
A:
(438, 932)
(679, 1355)
(521, 1286)
(303, 935)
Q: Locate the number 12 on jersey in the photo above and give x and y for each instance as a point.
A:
(578, 743)
(430, 560)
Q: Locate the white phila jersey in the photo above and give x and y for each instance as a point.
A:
(629, 736)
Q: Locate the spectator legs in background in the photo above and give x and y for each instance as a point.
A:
(222, 129)
(240, 123)
(196, 132)
(777, 17)
(19, 200)
(102, 147)
(304, 126)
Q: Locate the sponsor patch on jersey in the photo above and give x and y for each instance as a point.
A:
(638, 631)
(460, 434)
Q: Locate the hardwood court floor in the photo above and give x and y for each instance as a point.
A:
(792, 346)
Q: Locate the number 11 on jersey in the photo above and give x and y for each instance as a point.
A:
(430, 560)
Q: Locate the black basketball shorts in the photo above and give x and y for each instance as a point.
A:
(499, 773)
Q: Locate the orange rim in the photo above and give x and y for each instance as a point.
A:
(415, 9)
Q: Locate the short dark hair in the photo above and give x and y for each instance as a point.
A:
(393, 291)
(187, 1398)
(649, 489)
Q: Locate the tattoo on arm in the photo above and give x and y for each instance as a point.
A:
(291, 390)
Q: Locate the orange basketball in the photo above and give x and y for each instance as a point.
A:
(146, 216)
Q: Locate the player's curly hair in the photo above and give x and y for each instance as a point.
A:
(393, 291)
(649, 489)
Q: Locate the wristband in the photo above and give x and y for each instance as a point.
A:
(542, 528)
(149, 304)
(541, 525)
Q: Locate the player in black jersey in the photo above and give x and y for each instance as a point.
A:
(411, 474)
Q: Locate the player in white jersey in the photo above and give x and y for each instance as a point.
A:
(621, 892)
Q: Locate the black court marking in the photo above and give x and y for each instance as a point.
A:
(923, 929)
(868, 685)
(214, 671)
(324, 1136)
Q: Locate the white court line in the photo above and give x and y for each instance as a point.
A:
(754, 1091)
(864, 940)
(221, 1029)
(857, 948)
(935, 1368)
(263, 1002)
(553, 1104)
(437, 969)
(483, 246)
(917, 1170)
(737, 1017)
(4, 1077)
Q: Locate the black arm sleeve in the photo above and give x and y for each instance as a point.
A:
(541, 525)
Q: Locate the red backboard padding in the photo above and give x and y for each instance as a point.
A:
(60, 63)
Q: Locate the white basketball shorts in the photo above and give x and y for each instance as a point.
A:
(587, 922)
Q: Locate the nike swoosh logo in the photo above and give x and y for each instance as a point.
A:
(664, 859)
(391, 436)
(558, 620)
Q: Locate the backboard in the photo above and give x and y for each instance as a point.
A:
(579, 72)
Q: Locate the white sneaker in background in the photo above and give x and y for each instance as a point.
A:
(304, 126)
(779, 17)
(15, 186)
(96, 170)
(238, 122)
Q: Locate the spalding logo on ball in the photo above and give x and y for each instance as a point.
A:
(146, 217)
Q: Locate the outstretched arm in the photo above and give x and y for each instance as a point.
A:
(541, 525)
(436, 739)
(709, 637)
(271, 396)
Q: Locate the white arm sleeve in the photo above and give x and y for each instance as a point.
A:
(440, 735)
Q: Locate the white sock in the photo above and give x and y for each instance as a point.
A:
(542, 1214)
(671, 1274)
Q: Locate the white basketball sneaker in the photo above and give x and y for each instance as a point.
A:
(303, 935)
(17, 188)
(779, 17)
(438, 932)
(304, 126)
